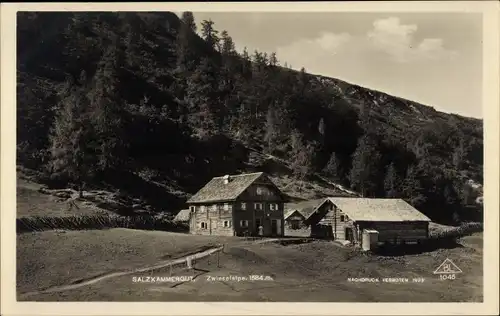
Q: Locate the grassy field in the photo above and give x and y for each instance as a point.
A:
(53, 258)
(316, 271)
(31, 202)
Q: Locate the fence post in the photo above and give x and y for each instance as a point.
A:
(218, 259)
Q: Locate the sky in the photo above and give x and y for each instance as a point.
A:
(431, 58)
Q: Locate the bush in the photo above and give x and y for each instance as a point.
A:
(41, 223)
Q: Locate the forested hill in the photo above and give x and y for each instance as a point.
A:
(104, 97)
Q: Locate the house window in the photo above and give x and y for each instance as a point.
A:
(258, 206)
(202, 208)
(226, 206)
(244, 223)
(273, 207)
(227, 224)
(342, 218)
(220, 206)
(259, 191)
(203, 225)
(192, 208)
(295, 224)
(214, 207)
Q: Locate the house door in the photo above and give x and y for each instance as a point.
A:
(274, 227)
(258, 223)
(349, 234)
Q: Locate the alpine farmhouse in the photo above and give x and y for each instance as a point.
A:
(368, 220)
(238, 205)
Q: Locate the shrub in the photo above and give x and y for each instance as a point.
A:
(146, 222)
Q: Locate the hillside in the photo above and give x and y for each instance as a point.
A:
(139, 103)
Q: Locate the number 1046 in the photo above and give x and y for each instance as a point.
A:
(447, 277)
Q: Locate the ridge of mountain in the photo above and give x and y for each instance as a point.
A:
(54, 46)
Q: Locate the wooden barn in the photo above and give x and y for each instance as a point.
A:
(238, 205)
(350, 219)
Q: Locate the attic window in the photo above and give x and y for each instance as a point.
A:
(342, 218)
(259, 191)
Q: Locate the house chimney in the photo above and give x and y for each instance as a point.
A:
(226, 179)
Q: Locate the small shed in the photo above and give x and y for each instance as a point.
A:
(296, 214)
(183, 216)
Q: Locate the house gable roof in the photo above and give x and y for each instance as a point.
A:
(289, 213)
(218, 191)
(305, 208)
(183, 215)
(377, 210)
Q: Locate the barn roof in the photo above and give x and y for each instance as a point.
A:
(305, 208)
(182, 216)
(218, 191)
(378, 210)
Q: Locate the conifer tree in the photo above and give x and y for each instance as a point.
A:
(210, 34)
(185, 47)
(364, 174)
(411, 188)
(203, 98)
(72, 139)
(392, 182)
(332, 167)
(271, 130)
(107, 107)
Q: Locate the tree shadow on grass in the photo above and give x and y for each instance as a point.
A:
(424, 247)
(132, 186)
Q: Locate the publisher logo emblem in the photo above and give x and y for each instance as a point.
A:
(447, 270)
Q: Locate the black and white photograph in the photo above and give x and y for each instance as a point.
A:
(249, 156)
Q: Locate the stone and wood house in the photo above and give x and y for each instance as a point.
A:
(346, 219)
(238, 205)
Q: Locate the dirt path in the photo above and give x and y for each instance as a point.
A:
(89, 281)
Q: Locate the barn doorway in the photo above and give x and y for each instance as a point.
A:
(274, 227)
(349, 234)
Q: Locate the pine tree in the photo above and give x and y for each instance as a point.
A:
(185, 47)
(73, 150)
(303, 156)
(332, 167)
(364, 174)
(392, 182)
(459, 154)
(271, 130)
(203, 99)
(227, 44)
(210, 34)
(273, 60)
(107, 107)
(411, 188)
